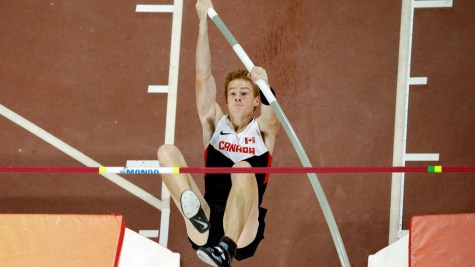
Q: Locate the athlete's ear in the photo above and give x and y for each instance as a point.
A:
(257, 101)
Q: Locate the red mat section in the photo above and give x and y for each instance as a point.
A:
(60, 240)
(442, 240)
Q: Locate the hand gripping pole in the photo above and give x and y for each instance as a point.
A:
(291, 133)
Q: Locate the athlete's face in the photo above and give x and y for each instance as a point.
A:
(240, 97)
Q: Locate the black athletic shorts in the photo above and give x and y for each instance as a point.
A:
(216, 230)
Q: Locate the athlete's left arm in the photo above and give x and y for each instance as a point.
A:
(267, 121)
(269, 125)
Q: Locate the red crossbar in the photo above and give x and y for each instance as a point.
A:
(444, 169)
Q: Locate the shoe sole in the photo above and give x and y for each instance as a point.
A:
(205, 258)
(190, 203)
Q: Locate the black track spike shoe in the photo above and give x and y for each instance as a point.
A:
(191, 208)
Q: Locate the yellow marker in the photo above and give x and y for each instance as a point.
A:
(437, 168)
(102, 169)
(176, 170)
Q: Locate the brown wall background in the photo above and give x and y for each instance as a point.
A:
(80, 70)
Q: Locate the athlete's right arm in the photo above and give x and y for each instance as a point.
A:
(208, 110)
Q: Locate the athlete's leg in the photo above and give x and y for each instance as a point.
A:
(242, 207)
(240, 220)
(178, 185)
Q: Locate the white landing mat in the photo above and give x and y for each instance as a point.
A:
(139, 251)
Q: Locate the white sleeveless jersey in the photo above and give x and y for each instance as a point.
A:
(238, 146)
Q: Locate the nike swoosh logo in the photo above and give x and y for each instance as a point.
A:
(205, 225)
(222, 133)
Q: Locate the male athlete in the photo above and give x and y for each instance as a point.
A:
(227, 222)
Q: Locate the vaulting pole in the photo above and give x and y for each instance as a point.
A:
(293, 138)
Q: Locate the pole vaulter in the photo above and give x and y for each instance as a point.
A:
(291, 133)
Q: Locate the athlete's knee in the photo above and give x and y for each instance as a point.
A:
(166, 151)
(242, 164)
(243, 179)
